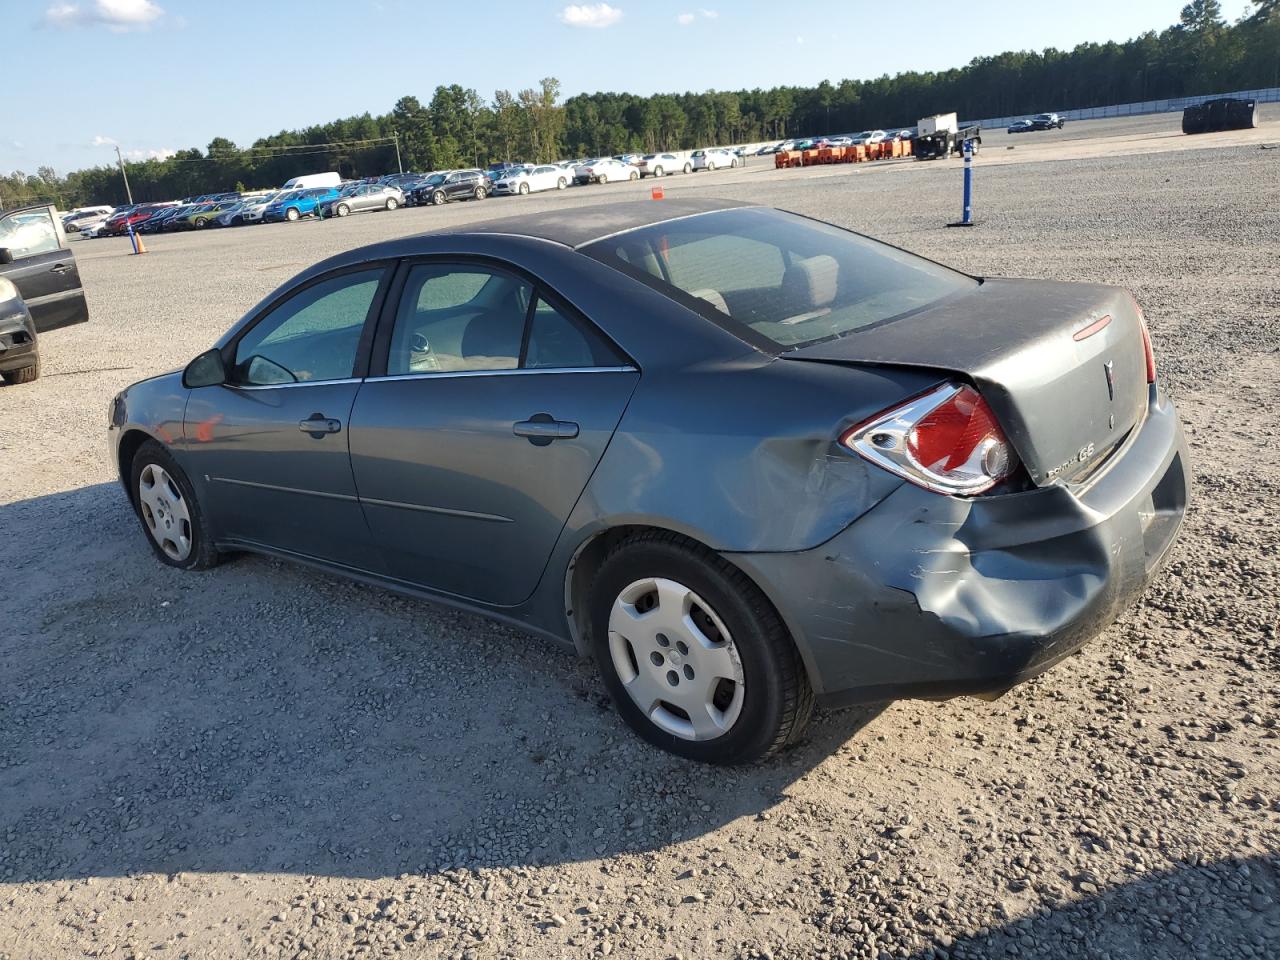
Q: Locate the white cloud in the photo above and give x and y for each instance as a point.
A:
(101, 141)
(590, 15)
(800, 40)
(115, 15)
(685, 19)
(164, 153)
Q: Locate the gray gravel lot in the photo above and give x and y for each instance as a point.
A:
(264, 761)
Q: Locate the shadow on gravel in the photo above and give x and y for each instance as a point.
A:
(262, 717)
(1228, 908)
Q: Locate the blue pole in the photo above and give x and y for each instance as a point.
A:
(968, 182)
(132, 239)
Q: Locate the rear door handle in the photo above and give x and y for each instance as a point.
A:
(542, 428)
(318, 425)
(60, 268)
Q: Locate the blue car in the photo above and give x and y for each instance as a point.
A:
(299, 203)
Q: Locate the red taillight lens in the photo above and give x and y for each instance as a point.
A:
(1146, 340)
(947, 440)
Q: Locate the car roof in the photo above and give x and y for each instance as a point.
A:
(577, 226)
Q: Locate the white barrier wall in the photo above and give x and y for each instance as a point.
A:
(1175, 105)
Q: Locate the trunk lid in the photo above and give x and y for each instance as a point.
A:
(1066, 383)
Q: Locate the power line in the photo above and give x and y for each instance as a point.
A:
(283, 150)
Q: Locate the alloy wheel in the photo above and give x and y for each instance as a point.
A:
(675, 659)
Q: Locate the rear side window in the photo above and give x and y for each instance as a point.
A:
(778, 280)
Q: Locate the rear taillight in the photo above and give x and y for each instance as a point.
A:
(946, 440)
(1146, 340)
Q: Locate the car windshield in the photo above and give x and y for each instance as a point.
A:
(436, 178)
(764, 273)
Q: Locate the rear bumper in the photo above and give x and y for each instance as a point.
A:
(936, 597)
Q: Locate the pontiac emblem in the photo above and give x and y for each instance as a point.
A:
(1109, 368)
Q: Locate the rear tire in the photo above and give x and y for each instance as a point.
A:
(561, 183)
(27, 374)
(162, 470)
(524, 189)
(763, 712)
(634, 175)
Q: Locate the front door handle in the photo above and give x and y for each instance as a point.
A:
(318, 425)
(60, 268)
(542, 428)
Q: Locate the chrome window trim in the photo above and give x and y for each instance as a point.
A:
(516, 371)
(296, 383)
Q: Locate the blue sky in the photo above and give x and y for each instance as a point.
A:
(159, 75)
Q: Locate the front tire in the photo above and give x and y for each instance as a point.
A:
(524, 189)
(561, 183)
(392, 203)
(634, 175)
(693, 654)
(343, 210)
(438, 197)
(166, 505)
(27, 374)
(292, 215)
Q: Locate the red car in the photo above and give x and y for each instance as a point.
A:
(122, 220)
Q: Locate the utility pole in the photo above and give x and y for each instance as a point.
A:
(120, 160)
(398, 163)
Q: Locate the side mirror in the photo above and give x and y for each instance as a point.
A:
(6, 256)
(206, 370)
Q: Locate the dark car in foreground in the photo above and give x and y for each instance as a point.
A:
(39, 288)
(746, 459)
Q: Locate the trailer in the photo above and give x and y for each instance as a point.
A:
(1225, 113)
(941, 135)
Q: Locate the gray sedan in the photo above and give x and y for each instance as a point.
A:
(746, 460)
(364, 196)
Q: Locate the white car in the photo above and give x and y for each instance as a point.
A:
(714, 159)
(662, 164)
(532, 179)
(252, 210)
(603, 170)
(870, 136)
(78, 221)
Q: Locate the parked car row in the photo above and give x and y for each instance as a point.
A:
(1041, 121)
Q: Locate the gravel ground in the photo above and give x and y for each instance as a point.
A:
(263, 761)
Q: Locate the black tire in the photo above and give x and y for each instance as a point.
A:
(561, 183)
(479, 193)
(688, 168)
(634, 175)
(438, 197)
(392, 203)
(657, 171)
(203, 553)
(200, 223)
(778, 700)
(292, 215)
(27, 374)
(343, 210)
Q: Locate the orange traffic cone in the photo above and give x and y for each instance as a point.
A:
(657, 193)
(142, 248)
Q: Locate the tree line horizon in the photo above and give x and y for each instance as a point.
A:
(1201, 54)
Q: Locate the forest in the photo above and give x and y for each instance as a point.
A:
(1202, 53)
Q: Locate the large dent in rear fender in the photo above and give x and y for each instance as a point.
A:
(744, 456)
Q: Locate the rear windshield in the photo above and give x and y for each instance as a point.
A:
(767, 274)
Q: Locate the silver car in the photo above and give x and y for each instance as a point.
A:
(365, 196)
